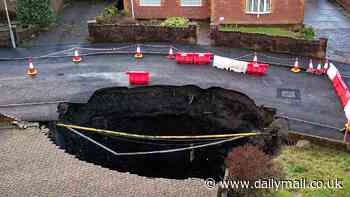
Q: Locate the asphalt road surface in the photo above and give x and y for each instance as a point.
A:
(296, 95)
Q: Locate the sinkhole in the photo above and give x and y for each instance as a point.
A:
(163, 111)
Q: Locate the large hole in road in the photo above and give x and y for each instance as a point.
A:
(163, 110)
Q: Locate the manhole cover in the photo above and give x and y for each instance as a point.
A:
(288, 93)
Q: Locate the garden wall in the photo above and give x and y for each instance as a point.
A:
(20, 34)
(141, 33)
(275, 44)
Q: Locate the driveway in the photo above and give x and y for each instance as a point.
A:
(71, 24)
(333, 22)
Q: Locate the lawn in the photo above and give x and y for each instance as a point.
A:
(315, 163)
(306, 33)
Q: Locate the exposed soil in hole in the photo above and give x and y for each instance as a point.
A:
(5, 120)
(163, 110)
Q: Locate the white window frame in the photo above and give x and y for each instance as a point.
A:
(265, 11)
(188, 5)
(142, 3)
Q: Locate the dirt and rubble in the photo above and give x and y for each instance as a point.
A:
(163, 110)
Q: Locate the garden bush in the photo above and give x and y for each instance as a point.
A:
(308, 33)
(110, 11)
(38, 12)
(175, 22)
(111, 15)
(249, 163)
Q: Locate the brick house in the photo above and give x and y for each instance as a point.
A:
(252, 12)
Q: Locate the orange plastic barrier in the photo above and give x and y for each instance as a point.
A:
(257, 69)
(138, 77)
(184, 58)
(202, 58)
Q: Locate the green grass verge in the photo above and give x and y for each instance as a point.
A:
(303, 33)
(315, 163)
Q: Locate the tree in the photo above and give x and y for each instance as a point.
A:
(35, 12)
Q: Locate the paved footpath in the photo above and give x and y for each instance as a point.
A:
(30, 165)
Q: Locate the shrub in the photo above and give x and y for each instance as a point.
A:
(111, 15)
(110, 11)
(248, 163)
(125, 13)
(175, 22)
(38, 12)
(307, 33)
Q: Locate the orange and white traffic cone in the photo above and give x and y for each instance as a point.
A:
(76, 58)
(171, 54)
(311, 67)
(255, 59)
(138, 54)
(318, 70)
(31, 71)
(325, 67)
(296, 68)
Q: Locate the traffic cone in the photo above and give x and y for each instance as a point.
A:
(171, 54)
(255, 59)
(296, 68)
(325, 67)
(318, 70)
(311, 67)
(31, 71)
(76, 58)
(138, 54)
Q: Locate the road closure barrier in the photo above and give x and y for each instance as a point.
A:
(138, 77)
(257, 69)
(343, 93)
(193, 58)
(202, 58)
(184, 58)
(230, 64)
(251, 68)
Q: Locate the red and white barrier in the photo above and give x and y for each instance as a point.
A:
(230, 64)
(251, 68)
(341, 90)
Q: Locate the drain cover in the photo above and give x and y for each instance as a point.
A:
(288, 93)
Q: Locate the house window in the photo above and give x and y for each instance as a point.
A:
(258, 6)
(191, 2)
(149, 2)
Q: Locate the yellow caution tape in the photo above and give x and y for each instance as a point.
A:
(153, 137)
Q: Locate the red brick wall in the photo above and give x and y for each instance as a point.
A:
(169, 8)
(345, 4)
(284, 12)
